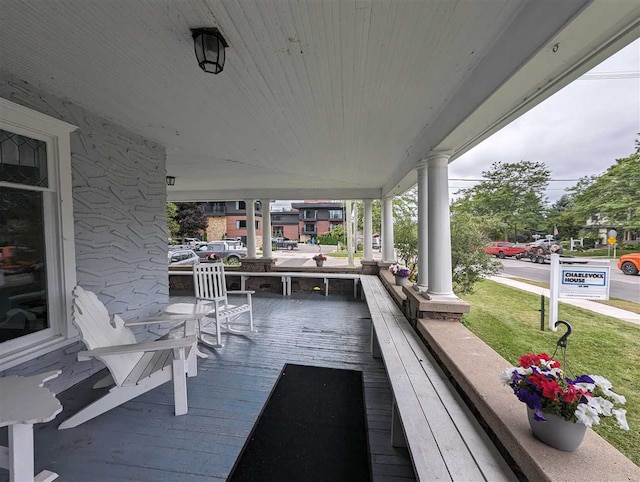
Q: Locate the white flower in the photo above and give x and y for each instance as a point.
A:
(601, 405)
(602, 382)
(505, 376)
(590, 387)
(621, 418)
(613, 395)
(587, 415)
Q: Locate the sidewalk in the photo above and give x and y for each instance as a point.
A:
(584, 304)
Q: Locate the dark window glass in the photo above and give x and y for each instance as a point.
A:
(23, 296)
(23, 160)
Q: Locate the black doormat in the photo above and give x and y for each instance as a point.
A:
(312, 428)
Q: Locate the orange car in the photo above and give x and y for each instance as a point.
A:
(629, 263)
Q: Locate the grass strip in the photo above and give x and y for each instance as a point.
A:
(508, 320)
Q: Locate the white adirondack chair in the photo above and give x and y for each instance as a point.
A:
(135, 368)
(211, 293)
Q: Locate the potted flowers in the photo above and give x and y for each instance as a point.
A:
(401, 273)
(320, 259)
(561, 408)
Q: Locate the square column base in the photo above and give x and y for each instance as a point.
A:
(422, 308)
(258, 265)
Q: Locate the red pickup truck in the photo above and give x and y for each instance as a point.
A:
(503, 249)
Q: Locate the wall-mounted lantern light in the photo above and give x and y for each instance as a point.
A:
(209, 45)
(171, 181)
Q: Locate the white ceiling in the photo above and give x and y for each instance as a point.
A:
(319, 99)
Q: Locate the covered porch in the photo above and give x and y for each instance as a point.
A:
(317, 100)
(143, 440)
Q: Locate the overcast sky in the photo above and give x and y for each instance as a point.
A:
(579, 131)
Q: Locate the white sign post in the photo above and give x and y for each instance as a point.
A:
(586, 281)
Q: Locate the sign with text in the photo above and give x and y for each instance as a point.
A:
(584, 282)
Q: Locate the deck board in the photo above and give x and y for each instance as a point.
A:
(143, 440)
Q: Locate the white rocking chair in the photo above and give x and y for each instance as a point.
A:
(211, 294)
(135, 368)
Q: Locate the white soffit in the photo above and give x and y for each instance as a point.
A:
(332, 97)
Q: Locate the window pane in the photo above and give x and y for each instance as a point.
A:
(23, 160)
(23, 297)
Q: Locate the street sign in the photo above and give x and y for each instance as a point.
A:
(611, 240)
(612, 233)
(585, 282)
(570, 281)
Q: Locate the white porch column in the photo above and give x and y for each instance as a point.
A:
(423, 228)
(439, 235)
(349, 210)
(250, 206)
(368, 230)
(388, 254)
(266, 229)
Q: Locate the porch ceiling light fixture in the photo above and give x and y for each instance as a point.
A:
(209, 45)
(171, 181)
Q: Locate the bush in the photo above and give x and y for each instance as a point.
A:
(469, 261)
(330, 239)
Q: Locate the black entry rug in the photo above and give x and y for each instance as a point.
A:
(312, 428)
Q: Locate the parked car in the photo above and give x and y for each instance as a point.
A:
(179, 257)
(504, 249)
(284, 243)
(230, 251)
(629, 263)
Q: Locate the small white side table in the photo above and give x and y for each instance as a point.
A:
(23, 402)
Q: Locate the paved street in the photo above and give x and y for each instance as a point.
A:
(622, 286)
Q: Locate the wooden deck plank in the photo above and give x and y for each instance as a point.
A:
(143, 440)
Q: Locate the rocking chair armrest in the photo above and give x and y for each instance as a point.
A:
(241, 292)
(138, 347)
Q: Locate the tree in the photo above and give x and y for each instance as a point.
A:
(512, 194)
(613, 195)
(172, 225)
(562, 215)
(405, 227)
(191, 219)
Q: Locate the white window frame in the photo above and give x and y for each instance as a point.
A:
(58, 231)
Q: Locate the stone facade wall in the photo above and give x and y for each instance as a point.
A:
(119, 196)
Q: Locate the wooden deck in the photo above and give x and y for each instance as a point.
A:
(143, 440)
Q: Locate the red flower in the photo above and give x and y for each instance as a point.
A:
(529, 360)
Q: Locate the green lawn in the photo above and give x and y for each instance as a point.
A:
(343, 254)
(508, 320)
